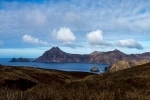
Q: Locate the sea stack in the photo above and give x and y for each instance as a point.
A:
(94, 69)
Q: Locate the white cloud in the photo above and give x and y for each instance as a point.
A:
(32, 40)
(129, 43)
(95, 37)
(65, 35)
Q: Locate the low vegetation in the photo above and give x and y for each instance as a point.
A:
(24, 83)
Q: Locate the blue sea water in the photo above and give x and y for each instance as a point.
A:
(83, 67)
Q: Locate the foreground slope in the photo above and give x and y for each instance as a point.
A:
(128, 84)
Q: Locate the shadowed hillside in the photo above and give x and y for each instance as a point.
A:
(23, 83)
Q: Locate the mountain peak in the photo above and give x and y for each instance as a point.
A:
(55, 49)
(96, 52)
(116, 50)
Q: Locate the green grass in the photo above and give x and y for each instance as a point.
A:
(41, 84)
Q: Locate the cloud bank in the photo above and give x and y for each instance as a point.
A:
(129, 43)
(32, 40)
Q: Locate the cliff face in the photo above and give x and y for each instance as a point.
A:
(120, 65)
(110, 57)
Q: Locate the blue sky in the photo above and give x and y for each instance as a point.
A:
(30, 27)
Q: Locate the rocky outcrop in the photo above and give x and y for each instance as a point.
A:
(94, 69)
(120, 65)
(57, 55)
(19, 60)
(141, 62)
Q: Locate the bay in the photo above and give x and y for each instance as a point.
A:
(82, 67)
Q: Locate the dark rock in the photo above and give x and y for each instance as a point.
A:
(94, 69)
(106, 69)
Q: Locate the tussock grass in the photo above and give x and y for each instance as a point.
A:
(128, 84)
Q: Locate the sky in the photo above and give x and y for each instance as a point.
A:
(30, 27)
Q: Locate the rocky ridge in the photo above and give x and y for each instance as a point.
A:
(57, 55)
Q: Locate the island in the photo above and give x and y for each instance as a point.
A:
(20, 60)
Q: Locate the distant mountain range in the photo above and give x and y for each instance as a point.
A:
(57, 55)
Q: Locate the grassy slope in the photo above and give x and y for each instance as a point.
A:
(22, 83)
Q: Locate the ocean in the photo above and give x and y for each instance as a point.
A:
(82, 67)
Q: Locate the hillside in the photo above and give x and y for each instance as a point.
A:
(24, 83)
(120, 65)
(55, 54)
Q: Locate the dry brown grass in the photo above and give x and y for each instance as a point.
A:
(129, 84)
